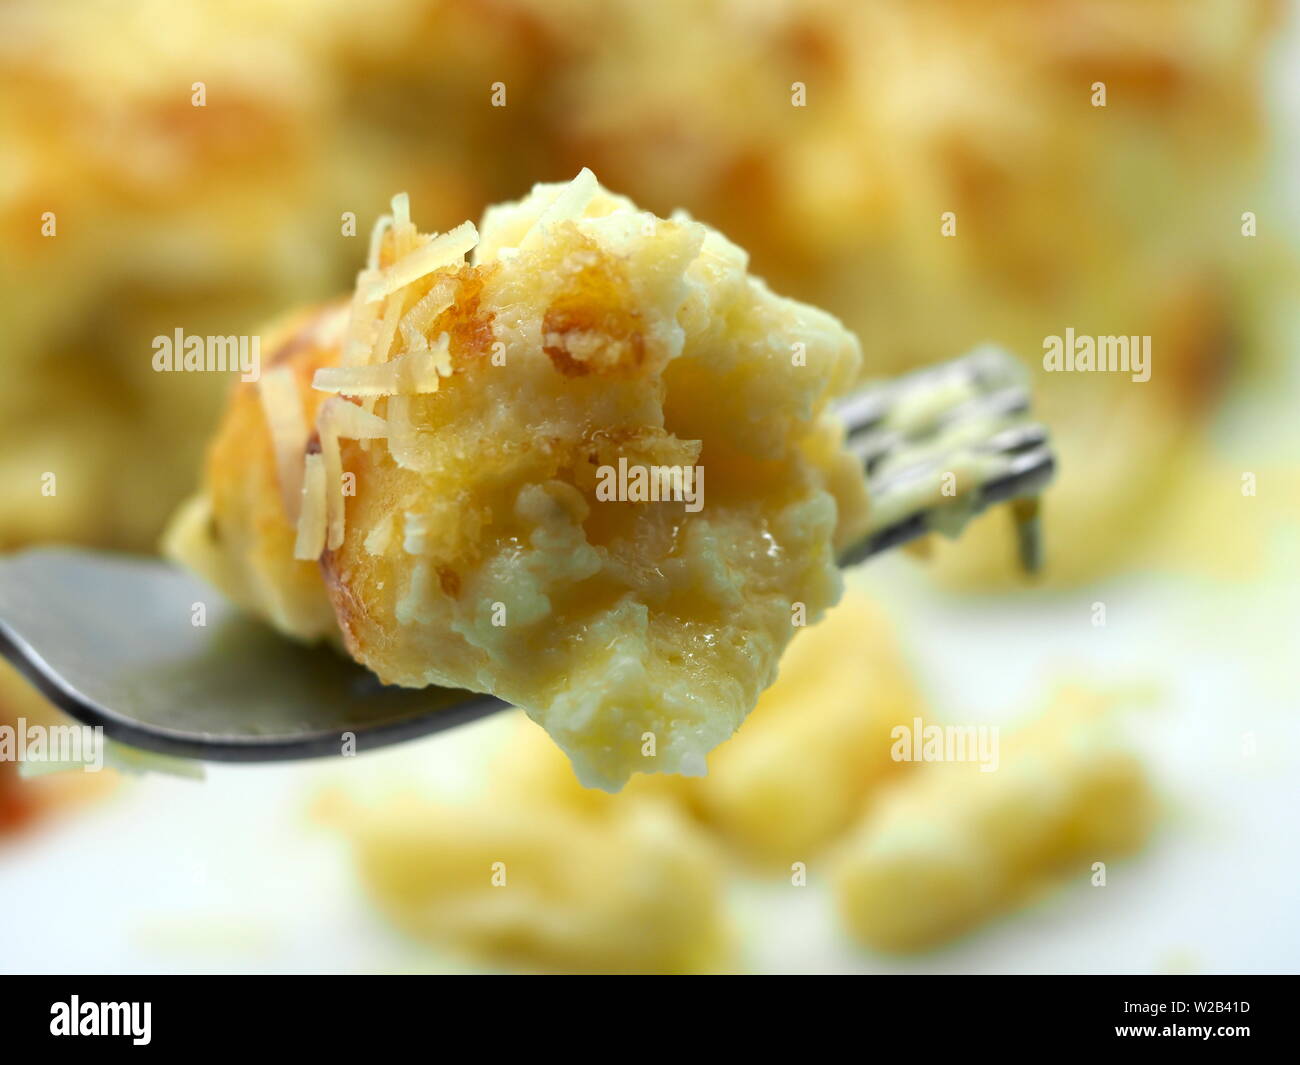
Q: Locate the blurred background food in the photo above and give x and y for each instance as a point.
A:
(632, 888)
(830, 138)
(942, 851)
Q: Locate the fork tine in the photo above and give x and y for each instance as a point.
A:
(908, 433)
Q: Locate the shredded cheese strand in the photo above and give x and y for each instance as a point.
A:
(412, 374)
(568, 204)
(451, 247)
(282, 407)
(311, 519)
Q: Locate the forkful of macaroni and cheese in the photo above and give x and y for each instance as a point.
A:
(576, 459)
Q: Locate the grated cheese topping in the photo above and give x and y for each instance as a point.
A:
(570, 202)
(337, 419)
(311, 521)
(282, 406)
(437, 252)
(411, 374)
(386, 353)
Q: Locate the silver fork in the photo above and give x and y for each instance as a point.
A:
(111, 639)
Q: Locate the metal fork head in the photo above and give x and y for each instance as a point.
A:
(943, 444)
(113, 641)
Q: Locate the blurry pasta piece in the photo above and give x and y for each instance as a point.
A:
(634, 888)
(951, 846)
